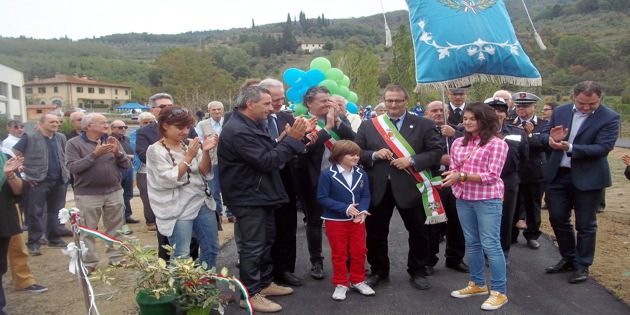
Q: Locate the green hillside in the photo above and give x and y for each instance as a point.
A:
(585, 40)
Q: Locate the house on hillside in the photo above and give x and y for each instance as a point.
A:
(75, 91)
(12, 98)
(36, 111)
(309, 47)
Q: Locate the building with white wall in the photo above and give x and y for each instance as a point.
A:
(12, 96)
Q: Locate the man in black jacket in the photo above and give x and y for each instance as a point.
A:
(334, 125)
(250, 162)
(391, 186)
(531, 174)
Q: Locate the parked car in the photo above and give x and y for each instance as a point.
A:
(72, 110)
(131, 114)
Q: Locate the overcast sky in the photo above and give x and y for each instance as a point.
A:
(84, 19)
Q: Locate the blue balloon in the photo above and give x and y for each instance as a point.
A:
(293, 76)
(352, 108)
(293, 95)
(313, 77)
(303, 90)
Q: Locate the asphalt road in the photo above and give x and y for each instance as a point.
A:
(530, 290)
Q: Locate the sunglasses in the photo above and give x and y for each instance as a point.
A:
(178, 111)
(163, 106)
(121, 127)
(18, 127)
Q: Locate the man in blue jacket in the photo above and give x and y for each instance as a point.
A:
(249, 163)
(581, 136)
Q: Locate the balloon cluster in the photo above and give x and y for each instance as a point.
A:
(321, 74)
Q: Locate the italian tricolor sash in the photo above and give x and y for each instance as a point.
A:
(425, 183)
(334, 137)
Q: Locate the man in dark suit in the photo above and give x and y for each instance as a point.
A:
(310, 164)
(581, 136)
(532, 173)
(283, 251)
(391, 186)
(457, 97)
(455, 243)
(147, 136)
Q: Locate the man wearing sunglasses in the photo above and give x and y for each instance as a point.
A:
(15, 130)
(126, 175)
(147, 136)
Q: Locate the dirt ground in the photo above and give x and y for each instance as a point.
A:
(611, 267)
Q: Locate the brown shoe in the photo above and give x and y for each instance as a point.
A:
(231, 219)
(520, 224)
(262, 304)
(275, 290)
(151, 227)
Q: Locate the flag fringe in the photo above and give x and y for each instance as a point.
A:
(478, 77)
(436, 219)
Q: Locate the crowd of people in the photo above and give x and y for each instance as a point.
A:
(259, 164)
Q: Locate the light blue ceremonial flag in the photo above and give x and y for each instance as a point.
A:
(461, 42)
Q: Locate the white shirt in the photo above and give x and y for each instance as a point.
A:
(346, 175)
(576, 123)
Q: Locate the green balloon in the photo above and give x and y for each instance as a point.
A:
(334, 74)
(343, 91)
(300, 109)
(352, 97)
(345, 81)
(330, 85)
(321, 63)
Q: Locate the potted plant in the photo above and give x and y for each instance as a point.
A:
(196, 292)
(154, 283)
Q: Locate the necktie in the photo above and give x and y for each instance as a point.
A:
(273, 128)
(458, 112)
(395, 122)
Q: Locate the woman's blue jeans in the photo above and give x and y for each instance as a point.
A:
(481, 223)
(205, 229)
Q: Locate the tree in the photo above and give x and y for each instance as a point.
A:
(288, 18)
(402, 69)
(328, 46)
(288, 42)
(361, 66)
(192, 77)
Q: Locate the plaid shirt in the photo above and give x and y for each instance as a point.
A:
(486, 161)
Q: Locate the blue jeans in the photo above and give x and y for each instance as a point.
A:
(215, 190)
(126, 181)
(481, 223)
(205, 228)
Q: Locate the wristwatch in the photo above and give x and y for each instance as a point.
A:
(187, 164)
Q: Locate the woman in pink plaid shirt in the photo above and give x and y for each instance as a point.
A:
(476, 163)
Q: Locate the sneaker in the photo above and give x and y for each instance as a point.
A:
(34, 251)
(58, 244)
(35, 288)
(495, 301)
(275, 290)
(363, 288)
(261, 304)
(340, 292)
(471, 290)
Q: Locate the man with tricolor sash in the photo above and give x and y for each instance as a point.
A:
(331, 126)
(398, 149)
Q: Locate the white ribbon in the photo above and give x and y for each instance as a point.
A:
(73, 252)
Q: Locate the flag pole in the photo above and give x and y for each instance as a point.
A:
(445, 112)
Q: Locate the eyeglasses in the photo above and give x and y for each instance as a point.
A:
(146, 122)
(394, 101)
(546, 109)
(178, 111)
(18, 127)
(120, 127)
